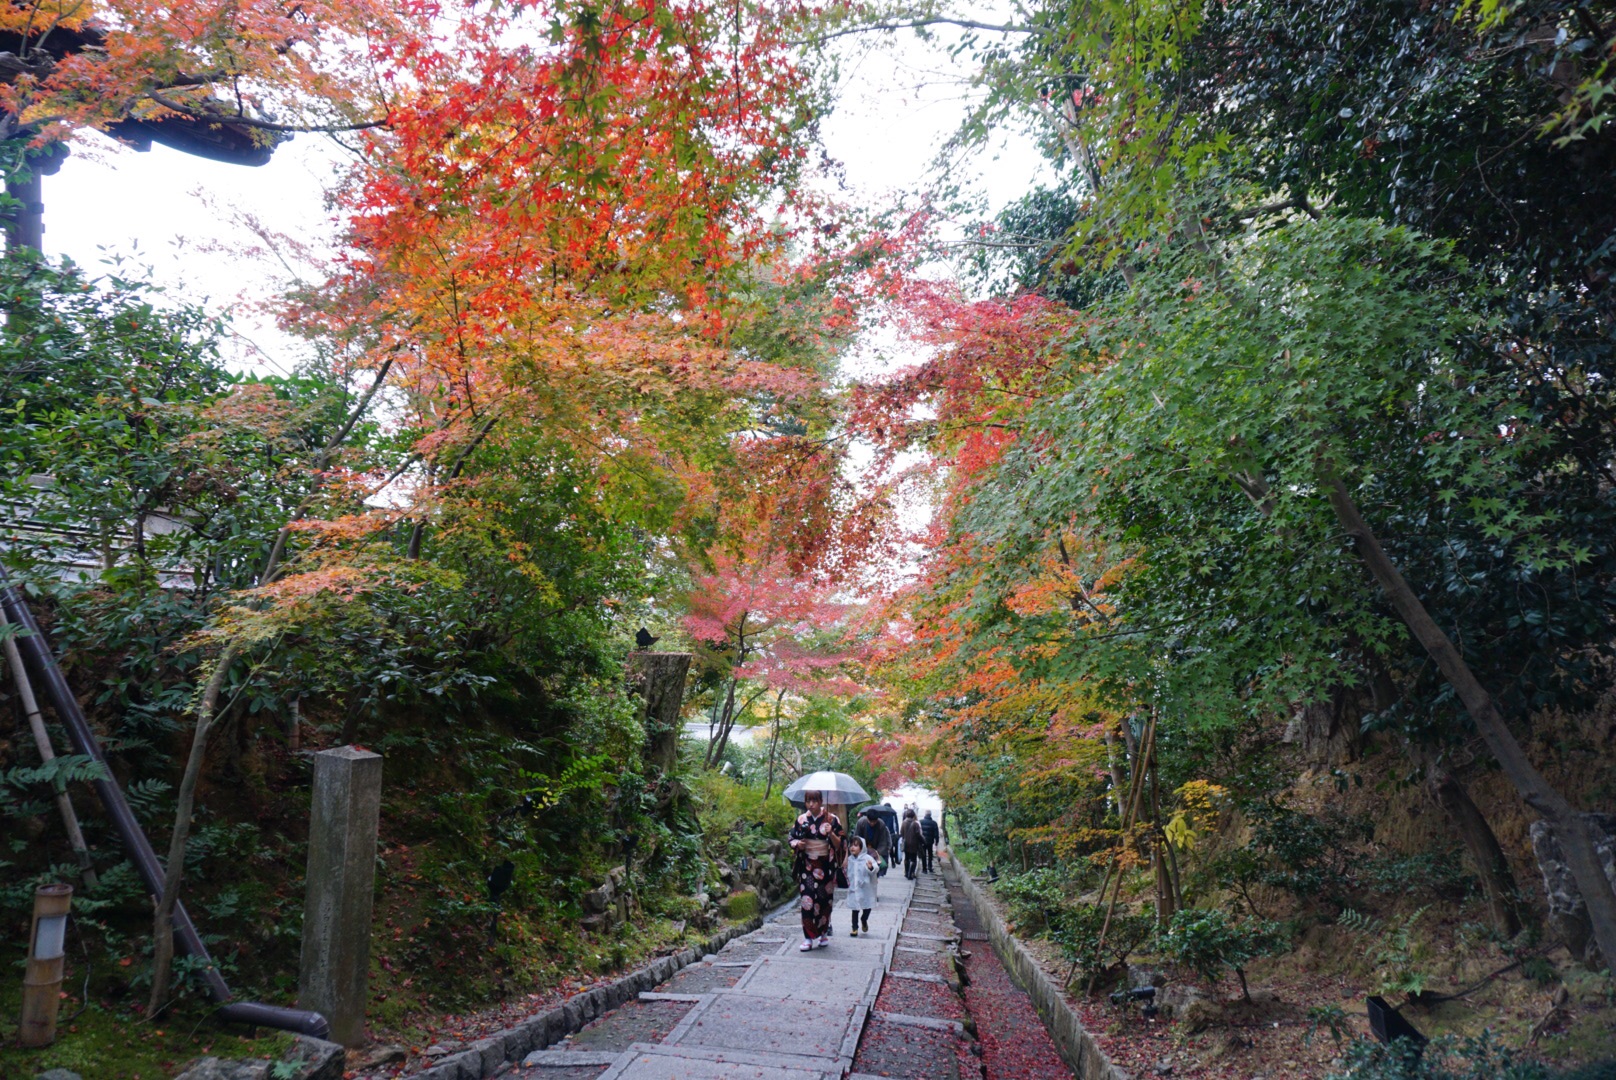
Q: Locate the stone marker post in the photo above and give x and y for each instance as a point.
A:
(342, 877)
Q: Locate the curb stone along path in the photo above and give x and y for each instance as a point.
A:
(1074, 1042)
(490, 1056)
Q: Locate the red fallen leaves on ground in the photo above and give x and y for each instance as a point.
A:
(887, 1049)
(913, 997)
(1015, 1044)
(1283, 1044)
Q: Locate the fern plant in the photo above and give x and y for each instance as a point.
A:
(1398, 958)
(21, 785)
(145, 797)
(57, 772)
(581, 774)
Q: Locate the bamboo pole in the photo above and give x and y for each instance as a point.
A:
(1147, 747)
(47, 753)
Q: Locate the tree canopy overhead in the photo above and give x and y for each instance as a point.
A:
(1272, 437)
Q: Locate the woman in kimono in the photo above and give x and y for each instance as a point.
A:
(817, 840)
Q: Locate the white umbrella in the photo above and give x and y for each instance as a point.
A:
(837, 787)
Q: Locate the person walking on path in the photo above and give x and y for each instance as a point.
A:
(928, 833)
(817, 839)
(861, 883)
(913, 841)
(877, 840)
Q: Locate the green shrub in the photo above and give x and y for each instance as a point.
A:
(1208, 943)
(1076, 931)
(742, 905)
(1040, 902)
(1033, 899)
(1312, 858)
(1439, 874)
(735, 817)
(1447, 1058)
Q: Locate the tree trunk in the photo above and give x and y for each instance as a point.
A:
(348, 734)
(1327, 730)
(174, 867)
(277, 550)
(720, 727)
(413, 551)
(1486, 856)
(729, 722)
(774, 744)
(1165, 901)
(1571, 827)
(1119, 783)
(659, 679)
(1173, 875)
(1505, 905)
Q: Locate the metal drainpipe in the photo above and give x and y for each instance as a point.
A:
(49, 675)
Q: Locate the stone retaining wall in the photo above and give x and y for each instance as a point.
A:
(485, 1056)
(1076, 1045)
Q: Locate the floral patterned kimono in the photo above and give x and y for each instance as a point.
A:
(816, 865)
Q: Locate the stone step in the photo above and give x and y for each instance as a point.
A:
(645, 1061)
(919, 976)
(569, 1059)
(931, 1022)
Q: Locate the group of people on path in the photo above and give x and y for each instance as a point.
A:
(917, 839)
(827, 858)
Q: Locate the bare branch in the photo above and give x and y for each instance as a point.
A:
(206, 116)
(1298, 203)
(916, 24)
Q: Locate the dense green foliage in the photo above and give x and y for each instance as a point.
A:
(1302, 363)
(1452, 1059)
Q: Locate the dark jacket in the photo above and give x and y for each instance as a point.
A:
(928, 829)
(875, 836)
(913, 840)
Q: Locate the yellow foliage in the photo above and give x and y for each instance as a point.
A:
(1179, 833)
(1202, 803)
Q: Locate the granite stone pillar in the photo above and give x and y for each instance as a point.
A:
(341, 881)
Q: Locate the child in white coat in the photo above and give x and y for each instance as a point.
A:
(861, 870)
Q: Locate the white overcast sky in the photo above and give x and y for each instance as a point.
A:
(177, 214)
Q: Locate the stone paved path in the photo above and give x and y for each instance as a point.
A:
(760, 1009)
(909, 1001)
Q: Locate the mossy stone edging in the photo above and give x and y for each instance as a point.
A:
(484, 1057)
(1077, 1047)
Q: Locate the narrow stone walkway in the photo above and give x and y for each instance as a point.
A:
(760, 1009)
(903, 1002)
